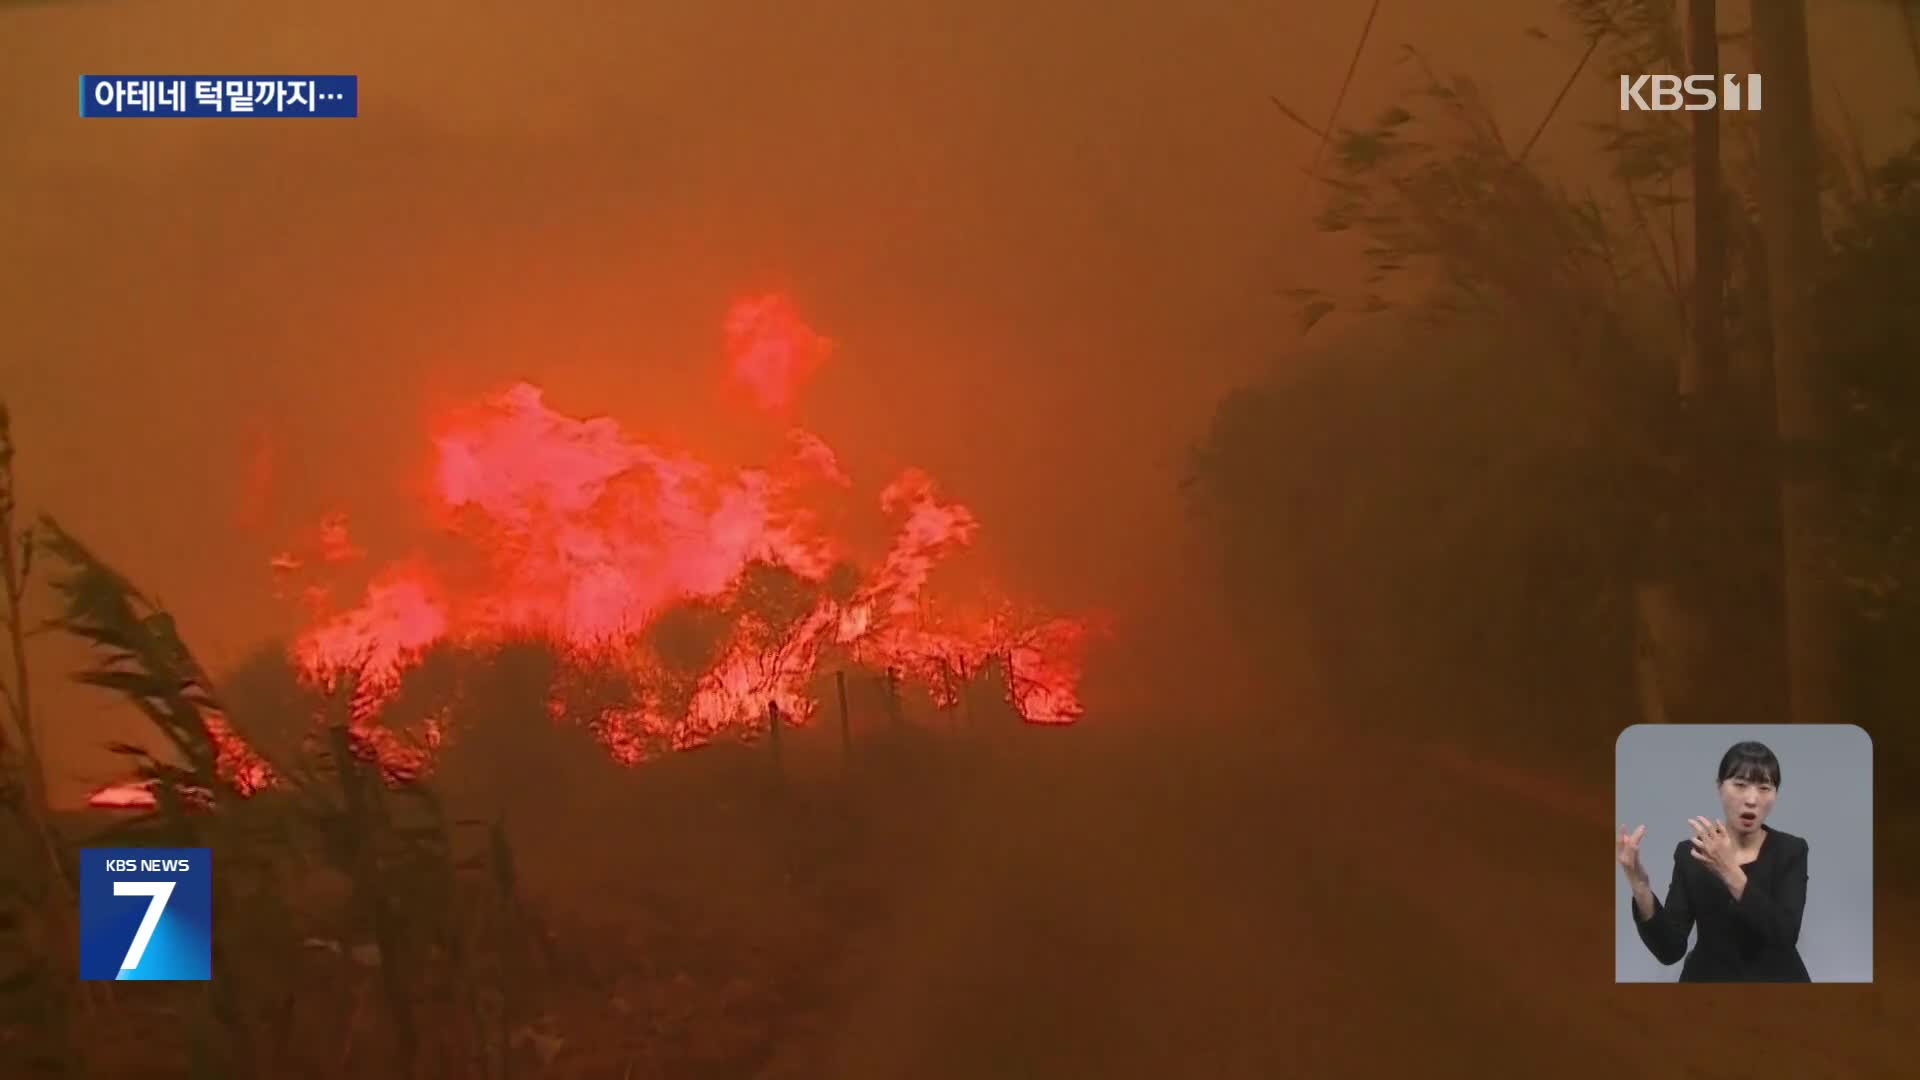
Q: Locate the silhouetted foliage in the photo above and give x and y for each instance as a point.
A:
(508, 733)
(687, 637)
(771, 602)
(1870, 326)
(328, 806)
(1467, 564)
(1465, 518)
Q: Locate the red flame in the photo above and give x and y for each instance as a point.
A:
(812, 453)
(397, 619)
(770, 350)
(578, 532)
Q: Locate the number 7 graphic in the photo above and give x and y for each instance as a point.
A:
(160, 891)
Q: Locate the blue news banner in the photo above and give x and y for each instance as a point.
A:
(146, 913)
(331, 96)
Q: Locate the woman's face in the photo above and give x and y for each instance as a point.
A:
(1747, 803)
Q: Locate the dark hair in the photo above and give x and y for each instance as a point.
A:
(1750, 761)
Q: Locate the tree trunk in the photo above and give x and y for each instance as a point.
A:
(894, 716)
(846, 729)
(1703, 372)
(773, 733)
(1682, 622)
(1795, 241)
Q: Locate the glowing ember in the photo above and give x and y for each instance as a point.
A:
(683, 597)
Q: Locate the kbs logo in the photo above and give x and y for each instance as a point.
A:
(1695, 93)
(146, 913)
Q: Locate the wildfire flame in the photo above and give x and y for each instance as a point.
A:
(574, 531)
(624, 554)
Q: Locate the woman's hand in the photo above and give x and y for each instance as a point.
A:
(1626, 851)
(1713, 847)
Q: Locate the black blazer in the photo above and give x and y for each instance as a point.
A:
(1753, 939)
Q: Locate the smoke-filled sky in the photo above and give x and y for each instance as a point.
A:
(1045, 238)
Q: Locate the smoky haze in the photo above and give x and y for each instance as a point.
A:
(1047, 241)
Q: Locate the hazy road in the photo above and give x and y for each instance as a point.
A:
(1117, 907)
